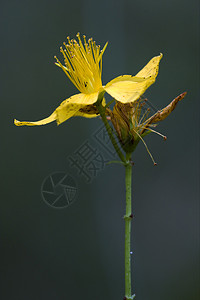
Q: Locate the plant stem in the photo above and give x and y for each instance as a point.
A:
(101, 110)
(128, 217)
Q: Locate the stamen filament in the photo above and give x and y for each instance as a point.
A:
(145, 115)
(145, 146)
(83, 64)
(154, 131)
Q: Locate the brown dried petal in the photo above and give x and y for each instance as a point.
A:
(164, 113)
(119, 124)
(123, 111)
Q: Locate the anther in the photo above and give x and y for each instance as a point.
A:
(165, 138)
(84, 38)
(155, 164)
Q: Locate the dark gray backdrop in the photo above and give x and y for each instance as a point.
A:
(78, 252)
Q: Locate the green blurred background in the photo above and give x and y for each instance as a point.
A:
(78, 252)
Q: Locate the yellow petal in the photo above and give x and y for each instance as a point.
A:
(151, 69)
(50, 119)
(86, 112)
(71, 106)
(89, 111)
(67, 109)
(127, 88)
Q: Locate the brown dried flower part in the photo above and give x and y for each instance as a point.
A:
(120, 117)
(131, 121)
(164, 113)
(90, 110)
(122, 120)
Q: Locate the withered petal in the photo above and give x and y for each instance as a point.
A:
(164, 113)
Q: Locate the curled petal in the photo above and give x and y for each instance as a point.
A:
(45, 121)
(89, 111)
(68, 108)
(164, 113)
(151, 69)
(128, 88)
(73, 105)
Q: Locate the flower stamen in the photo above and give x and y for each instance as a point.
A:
(83, 64)
(157, 132)
(145, 146)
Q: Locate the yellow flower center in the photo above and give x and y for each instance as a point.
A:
(83, 64)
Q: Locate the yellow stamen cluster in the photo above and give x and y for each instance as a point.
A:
(83, 64)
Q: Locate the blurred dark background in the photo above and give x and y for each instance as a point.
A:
(78, 252)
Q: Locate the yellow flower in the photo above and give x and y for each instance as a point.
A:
(83, 66)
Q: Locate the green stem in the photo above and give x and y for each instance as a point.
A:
(128, 218)
(101, 110)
